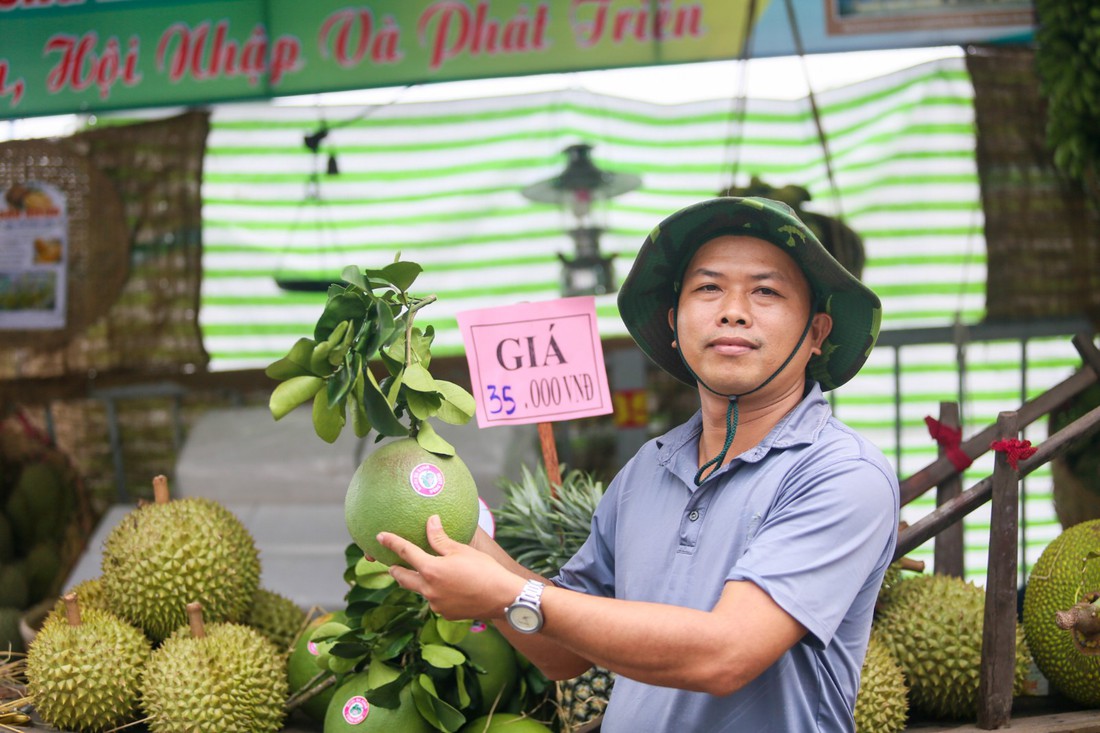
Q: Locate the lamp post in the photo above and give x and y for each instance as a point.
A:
(577, 189)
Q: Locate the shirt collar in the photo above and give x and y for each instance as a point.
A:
(800, 426)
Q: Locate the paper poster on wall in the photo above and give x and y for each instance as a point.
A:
(34, 229)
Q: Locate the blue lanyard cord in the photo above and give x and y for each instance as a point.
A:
(732, 410)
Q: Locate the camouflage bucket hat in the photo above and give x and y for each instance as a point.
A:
(650, 289)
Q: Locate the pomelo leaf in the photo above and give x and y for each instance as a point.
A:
(460, 685)
(458, 398)
(393, 646)
(429, 633)
(327, 421)
(453, 631)
(379, 674)
(423, 405)
(318, 361)
(342, 382)
(352, 274)
(295, 363)
(359, 419)
(329, 630)
(436, 711)
(341, 307)
(338, 664)
(293, 392)
(402, 274)
(430, 441)
(442, 656)
(377, 328)
(387, 695)
(340, 350)
(418, 378)
(379, 411)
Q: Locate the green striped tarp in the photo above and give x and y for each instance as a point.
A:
(440, 183)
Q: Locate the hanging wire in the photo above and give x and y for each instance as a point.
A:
(734, 141)
(814, 110)
(313, 196)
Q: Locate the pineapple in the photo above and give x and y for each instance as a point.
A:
(541, 531)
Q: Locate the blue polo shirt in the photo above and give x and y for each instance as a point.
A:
(810, 515)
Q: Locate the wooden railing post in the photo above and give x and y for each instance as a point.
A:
(999, 629)
(948, 552)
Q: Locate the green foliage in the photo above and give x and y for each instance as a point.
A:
(1068, 60)
(542, 526)
(398, 641)
(370, 318)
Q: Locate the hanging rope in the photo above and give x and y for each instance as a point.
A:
(814, 111)
(740, 99)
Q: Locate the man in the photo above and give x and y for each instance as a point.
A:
(732, 569)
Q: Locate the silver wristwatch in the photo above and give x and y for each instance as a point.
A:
(525, 614)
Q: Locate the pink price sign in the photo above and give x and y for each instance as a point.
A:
(536, 362)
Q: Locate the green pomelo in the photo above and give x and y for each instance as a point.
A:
(398, 486)
(350, 712)
(503, 723)
(302, 669)
(1067, 570)
(487, 648)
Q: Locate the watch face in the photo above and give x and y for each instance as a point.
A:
(524, 618)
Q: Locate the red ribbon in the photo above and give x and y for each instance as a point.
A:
(1014, 450)
(950, 439)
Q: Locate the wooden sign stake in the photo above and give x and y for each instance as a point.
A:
(550, 456)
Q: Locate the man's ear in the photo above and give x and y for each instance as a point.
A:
(819, 331)
(672, 324)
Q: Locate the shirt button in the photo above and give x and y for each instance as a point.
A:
(694, 515)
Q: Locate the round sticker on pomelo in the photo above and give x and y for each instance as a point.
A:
(426, 479)
(356, 710)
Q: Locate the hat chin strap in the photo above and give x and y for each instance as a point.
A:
(732, 410)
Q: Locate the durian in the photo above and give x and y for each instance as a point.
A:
(83, 669)
(216, 678)
(1067, 572)
(276, 617)
(882, 704)
(163, 555)
(933, 627)
(91, 595)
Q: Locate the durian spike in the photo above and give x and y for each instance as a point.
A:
(160, 489)
(916, 566)
(72, 609)
(194, 618)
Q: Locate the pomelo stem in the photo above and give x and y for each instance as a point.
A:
(72, 609)
(194, 618)
(160, 489)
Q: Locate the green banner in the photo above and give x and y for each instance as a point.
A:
(63, 56)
